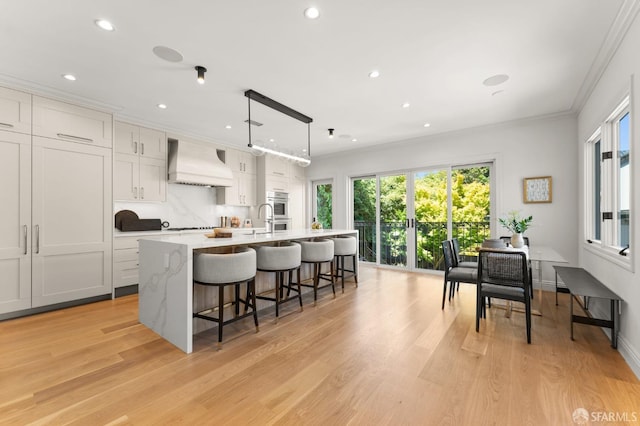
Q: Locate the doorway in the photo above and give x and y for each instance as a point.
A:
(402, 218)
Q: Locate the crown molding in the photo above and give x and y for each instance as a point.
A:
(623, 21)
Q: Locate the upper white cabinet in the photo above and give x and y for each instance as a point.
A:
(243, 190)
(136, 140)
(60, 120)
(240, 161)
(275, 166)
(15, 111)
(140, 164)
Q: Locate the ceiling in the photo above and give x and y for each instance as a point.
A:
(434, 55)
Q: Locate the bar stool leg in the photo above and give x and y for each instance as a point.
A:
(299, 290)
(220, 314)
(355, 273)
(252, 285)
(333, 285)
(316, 278)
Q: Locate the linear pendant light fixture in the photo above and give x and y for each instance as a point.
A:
(255, 96)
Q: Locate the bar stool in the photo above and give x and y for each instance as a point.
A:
(227, 269)
(345, 246)
(318, 252)
(285, 257)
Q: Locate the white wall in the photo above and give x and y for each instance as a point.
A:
(542, 147)
(614, 83)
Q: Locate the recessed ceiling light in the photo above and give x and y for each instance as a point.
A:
(228, 126)
(374, 74)
(406, 105)
(304, 149)
(69, 77)
(272, 140)
(427, 124)
(354, 140)
(495, 80)
(105, 25)
(311, 13)
(162, 106)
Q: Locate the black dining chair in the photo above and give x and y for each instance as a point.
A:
(503, 274)
(454, 274)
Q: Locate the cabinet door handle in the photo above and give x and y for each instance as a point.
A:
(278, 173)
(142, 193)
(141, 148)
(135, 192)
(37, 239)
(75, 138)
(10, 126)
(24, 228)
(135, 147)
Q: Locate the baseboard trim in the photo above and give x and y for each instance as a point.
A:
(125, 291)
(54, 307)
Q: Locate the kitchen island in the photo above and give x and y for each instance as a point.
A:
(166, 291)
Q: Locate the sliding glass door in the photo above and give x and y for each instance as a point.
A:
(403, 218)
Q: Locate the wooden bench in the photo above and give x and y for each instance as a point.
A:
(581, 283)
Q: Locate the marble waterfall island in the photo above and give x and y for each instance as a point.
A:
(166, 292)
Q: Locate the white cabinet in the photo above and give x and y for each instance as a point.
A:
(136, 140)
(55, 240)
(243, 190)
(15, 221)
(15, 111)
(125, 260)
(275, 166)
(140, 164)
(59, 120)
(71, 221)
(240, 161)
(297, 192)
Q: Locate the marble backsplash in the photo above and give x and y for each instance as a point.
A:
(186, 206)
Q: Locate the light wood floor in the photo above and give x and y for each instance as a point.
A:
(384, 353)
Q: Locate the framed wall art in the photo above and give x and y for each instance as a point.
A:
(537, 189)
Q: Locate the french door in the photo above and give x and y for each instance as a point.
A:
(403, 218)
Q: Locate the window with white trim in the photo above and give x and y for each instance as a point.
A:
(608, 186)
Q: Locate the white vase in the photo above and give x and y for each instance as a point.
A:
(517, 241)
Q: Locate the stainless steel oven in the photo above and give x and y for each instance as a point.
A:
(279, 201)
(281, 225)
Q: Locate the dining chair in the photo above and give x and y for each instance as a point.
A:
(454, 274)
(507, 241)
(456, 253)
(503, 274)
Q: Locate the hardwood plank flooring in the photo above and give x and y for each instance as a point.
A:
(381, 354)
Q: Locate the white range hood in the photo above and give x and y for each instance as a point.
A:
(193, 163)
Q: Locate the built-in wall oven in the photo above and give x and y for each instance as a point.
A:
(279, 202)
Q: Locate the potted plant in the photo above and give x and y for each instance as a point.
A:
(517, 225)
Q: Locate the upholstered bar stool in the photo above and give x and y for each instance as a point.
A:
(227, 269)
(283, 258)
(317, 252)
(345, 246)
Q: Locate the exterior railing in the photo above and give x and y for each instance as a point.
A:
(429, 237)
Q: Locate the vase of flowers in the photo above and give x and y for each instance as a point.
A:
(517, 225)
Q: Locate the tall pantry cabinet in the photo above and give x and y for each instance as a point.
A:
(55, 219)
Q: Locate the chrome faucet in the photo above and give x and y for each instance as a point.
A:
(266, 219)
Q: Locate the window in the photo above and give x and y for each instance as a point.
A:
(323, 203)
(608, 186)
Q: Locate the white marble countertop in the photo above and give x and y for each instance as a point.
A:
(245, 236)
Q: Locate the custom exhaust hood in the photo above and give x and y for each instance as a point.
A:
(197, 164)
